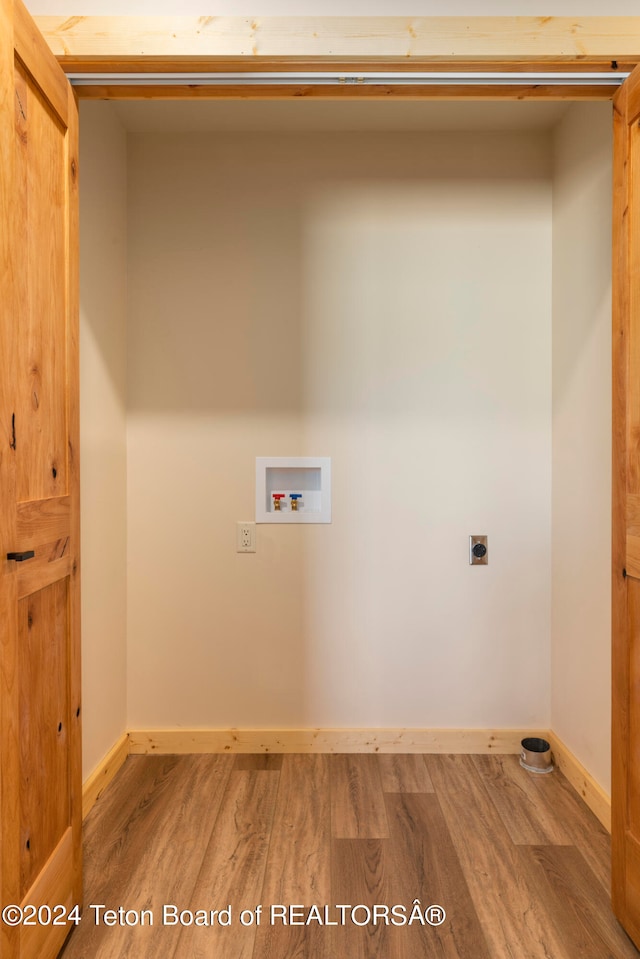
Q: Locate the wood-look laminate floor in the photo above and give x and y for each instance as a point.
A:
(517, 861)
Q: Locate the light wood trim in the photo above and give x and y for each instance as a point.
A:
(346, 92)
(633, 97)
(97, 782)
(432, 38)
(633, 281)
(625, 846)
(371, 64)
(582, 781)
(619, 599)
(181, 741)
(39, 62)
(42, 940)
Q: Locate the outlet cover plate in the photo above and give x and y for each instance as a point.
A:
(245, 537)
(478, 560)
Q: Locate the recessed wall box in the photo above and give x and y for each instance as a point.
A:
(303, 480)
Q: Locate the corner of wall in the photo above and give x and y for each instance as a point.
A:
(103, 214)
(581, 411)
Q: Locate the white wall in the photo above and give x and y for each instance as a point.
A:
(387, 302)
(581, 618)
(103, 222)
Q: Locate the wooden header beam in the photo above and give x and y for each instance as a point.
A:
(370, 44)
(82, 42)
(474, 91)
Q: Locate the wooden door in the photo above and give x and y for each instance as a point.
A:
(40, 761)
(626, 510)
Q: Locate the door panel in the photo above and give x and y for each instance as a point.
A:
(40, 759)
(43, 640)
(42, 290)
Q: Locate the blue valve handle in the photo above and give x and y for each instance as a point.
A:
(295, 495)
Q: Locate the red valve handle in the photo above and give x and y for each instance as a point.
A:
(278, 495)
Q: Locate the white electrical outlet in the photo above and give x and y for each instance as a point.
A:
(245, 537)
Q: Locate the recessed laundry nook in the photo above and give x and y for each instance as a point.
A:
(419, 291)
